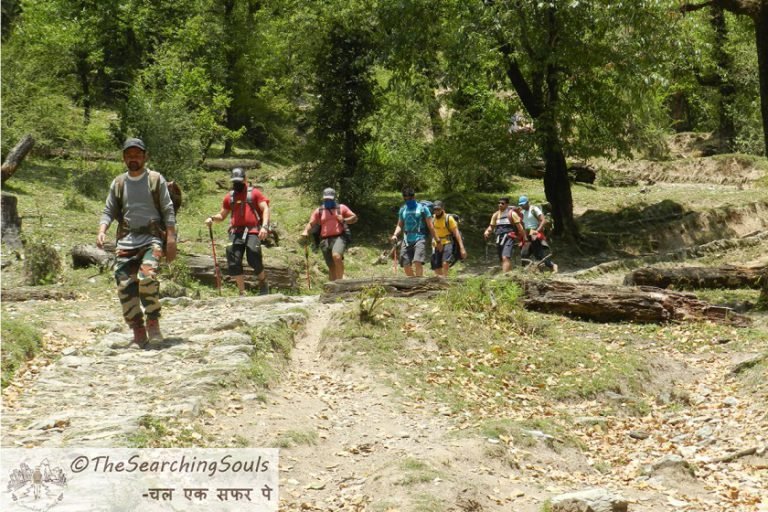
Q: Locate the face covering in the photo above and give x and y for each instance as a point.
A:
(411, 204)
(329, 203)
(238, 186)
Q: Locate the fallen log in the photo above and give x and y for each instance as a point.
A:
(394, 286)
(15, 157)
(89, 255)
(582, 173)
(229, 164)
(279, 276)
(22, 293)
(608, 303)
(696, 278)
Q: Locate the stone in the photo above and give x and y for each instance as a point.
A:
(730, 402)
(589, 500)
(669, 462)
(748, 363)
(639, 434)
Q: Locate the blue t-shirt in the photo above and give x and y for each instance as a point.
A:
(414, 224)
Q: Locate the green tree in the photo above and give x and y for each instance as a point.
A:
(581, 70)
(345, 89)
(757, 10)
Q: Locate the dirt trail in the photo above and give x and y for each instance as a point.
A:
(373, 449)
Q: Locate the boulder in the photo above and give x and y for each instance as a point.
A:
(589, 500)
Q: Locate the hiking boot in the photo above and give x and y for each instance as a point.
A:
(263, 287)
(153, 330)
(140, 336)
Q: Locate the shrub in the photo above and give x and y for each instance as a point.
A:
(42, 264)
(20, 343)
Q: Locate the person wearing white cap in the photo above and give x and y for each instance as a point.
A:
(332, 222)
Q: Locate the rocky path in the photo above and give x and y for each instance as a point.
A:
(351, 438)
(95, 395)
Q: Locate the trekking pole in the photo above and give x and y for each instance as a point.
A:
(217, 270)
(306, 261)
(394, 258)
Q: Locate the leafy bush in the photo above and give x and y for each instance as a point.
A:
(370, 299)
(92, 180)
(20, 343)
(488, 298)
(42, 264)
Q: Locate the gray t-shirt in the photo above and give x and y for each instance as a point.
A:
(138, 210)
(531, 217)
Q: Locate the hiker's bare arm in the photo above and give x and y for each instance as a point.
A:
(102, 235)
(490, 227)
(542, 223)
(398, 229)
(431, 227)
(170, 243)
(351, 219)
(462, 250)
(520, 232)
(264, 207)
(219, 217)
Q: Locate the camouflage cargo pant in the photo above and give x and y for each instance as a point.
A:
(137, 284)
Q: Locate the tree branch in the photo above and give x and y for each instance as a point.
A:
(686, 7)
(530, 101)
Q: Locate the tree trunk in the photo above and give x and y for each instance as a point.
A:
(761, 38)
(557, 187)
(201, 267)
(726, 88)
(694, 278)
(394, 286)
(606, 303)
(15, 157)
(11, 222)
(90, 255)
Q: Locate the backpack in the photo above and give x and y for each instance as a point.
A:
(174, 190)
(456, 249)
(315, 231)
(273, 239)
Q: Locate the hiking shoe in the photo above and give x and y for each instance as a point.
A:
(554, 268)
(153, 330)
(263, 288)
(140, 336)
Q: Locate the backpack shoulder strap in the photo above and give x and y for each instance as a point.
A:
(154, 187)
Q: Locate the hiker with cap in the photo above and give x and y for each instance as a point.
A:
(447, 233)
(331, 221)
(534, 222)
(508, 232)
(141, 203)
(247, 229)
(415, 220)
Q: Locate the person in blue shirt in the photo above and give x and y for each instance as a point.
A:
(415, 220)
